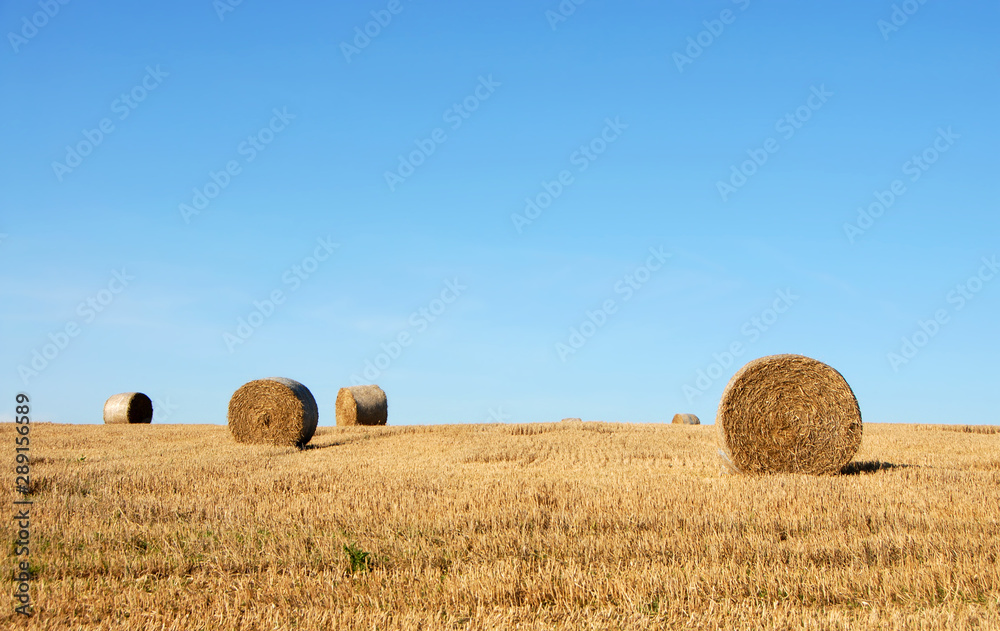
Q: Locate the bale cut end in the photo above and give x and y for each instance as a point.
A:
(789, 414)
(128, 408)
(362, 405)
(274, 411)
(686, 419)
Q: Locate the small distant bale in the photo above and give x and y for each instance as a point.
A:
(686, 419)
(362, 405)
(789, 414)
(273, 411)
(128, 408)
(573, 419)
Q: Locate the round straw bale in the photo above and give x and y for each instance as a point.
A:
(128, 407)
(273, 411)
(686, 419)
(362, 405)
(789, 414)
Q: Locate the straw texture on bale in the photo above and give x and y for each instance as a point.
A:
(362, 405)
(789, 414)
(686, 419)
(274, 411)
(128, 407)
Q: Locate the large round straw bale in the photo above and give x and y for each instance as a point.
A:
(362, 405)
(273, 411)
(789, 414)
(686, 419)
(128, 407)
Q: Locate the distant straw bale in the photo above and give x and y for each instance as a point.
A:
(789, 414)
(572, 419)
(128, 408)
(686, 419)
(362, 405)
(274, 411)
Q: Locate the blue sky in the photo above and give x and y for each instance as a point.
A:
(698, 163)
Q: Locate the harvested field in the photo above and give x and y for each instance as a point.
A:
(558, 525)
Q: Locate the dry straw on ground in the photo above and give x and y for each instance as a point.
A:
(128, 408)
(362, 405)
(274, 411)
(789, 414)
(686, 419)
(475, 527)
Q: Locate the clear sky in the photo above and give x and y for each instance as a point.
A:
(514, 211)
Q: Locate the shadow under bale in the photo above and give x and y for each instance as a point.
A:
(870, 466)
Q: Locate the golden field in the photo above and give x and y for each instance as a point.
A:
(541, 526)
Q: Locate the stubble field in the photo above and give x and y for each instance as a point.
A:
(542, 526)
